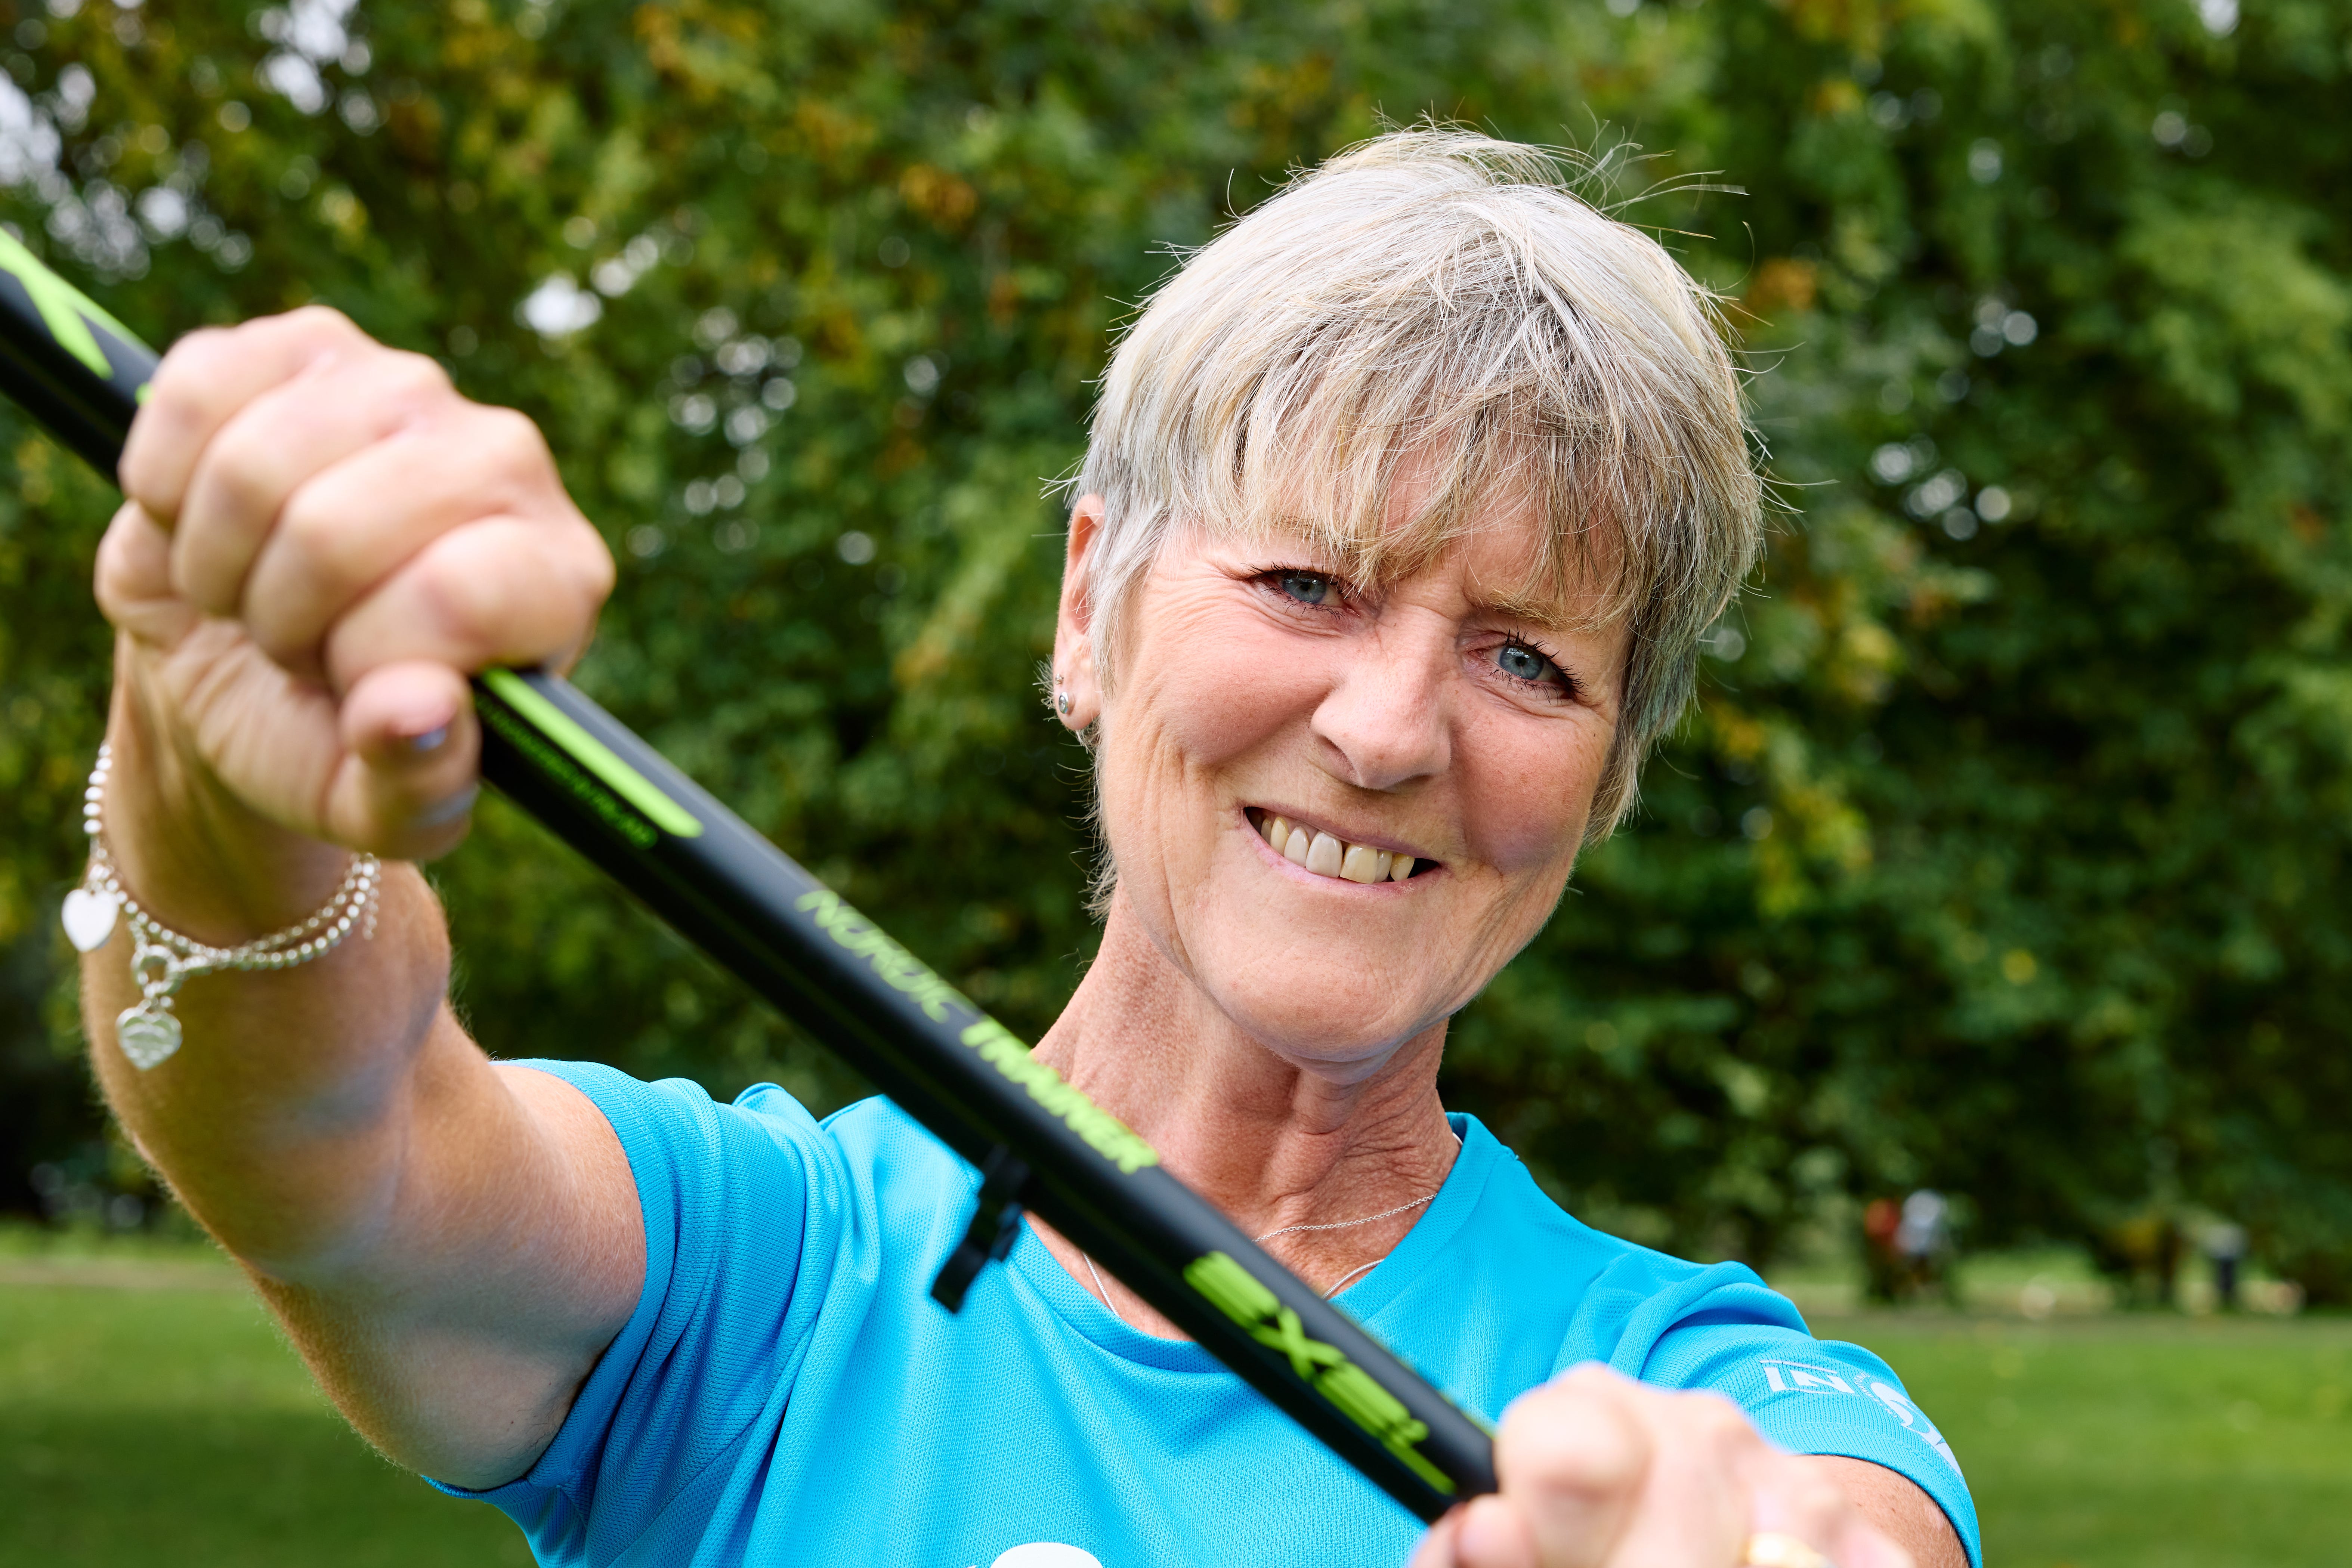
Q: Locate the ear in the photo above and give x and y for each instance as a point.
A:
(1074, 648)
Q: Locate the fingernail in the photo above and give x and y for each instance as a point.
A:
(449, 810)
(431, 741)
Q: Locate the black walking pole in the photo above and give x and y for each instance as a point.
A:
(1039, 1143)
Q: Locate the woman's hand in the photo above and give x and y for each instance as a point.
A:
(321, 539)
(1600, 1471)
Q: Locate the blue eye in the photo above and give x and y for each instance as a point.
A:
(1306, 587)
(1524, 663)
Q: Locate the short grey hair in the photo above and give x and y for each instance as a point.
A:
(1440, 307)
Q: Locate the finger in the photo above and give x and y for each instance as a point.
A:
(133, 580)
(336, 406)
(451, 468)
(456, 603)
(1574, 1457)
(406, 785)
(1436, 1548)
(1701, 1508)
(206, 378)
(1792, 1498)
(1495, 1533)
(1860, 1544)
(1797, 1497)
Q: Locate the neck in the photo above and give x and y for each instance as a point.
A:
(1272, 1141)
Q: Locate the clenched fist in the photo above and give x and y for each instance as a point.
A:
(1600, 1471)
(321, 540)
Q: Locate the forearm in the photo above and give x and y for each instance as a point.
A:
(282, 1121)
(319, 540)
(448, 1243)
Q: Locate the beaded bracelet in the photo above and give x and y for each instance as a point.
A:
(162, 960)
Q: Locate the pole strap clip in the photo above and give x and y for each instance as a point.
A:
(995, 1225)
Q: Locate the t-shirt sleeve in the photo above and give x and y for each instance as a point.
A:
(744, 1208)
(1724, 1329)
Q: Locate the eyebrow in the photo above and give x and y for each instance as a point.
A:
(1541, 611)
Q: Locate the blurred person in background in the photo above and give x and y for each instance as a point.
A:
(1924, 1239)
(1408, 501)
(1882, 1262)
(2225, 1248)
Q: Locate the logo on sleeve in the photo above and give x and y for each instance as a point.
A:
(1787, 1375)
(1806, 1377)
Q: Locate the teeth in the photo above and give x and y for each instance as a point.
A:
(1324, 855)
(1327, 856)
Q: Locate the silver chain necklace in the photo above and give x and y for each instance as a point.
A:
(1430, 1196)
(1349, 1224)
(1426, 1199)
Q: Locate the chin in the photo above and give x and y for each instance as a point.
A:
(1329, 1024)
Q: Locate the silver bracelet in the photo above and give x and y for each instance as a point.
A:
(162, 960)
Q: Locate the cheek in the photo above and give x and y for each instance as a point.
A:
(1528, 793)
(1203, 686)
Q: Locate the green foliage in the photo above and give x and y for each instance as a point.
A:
(2007, 851)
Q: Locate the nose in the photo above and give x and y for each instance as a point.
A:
(1384, 722)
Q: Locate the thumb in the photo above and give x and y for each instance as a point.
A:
(1485, 1533)
(1436, 1549)
(1494, 1534)
(406, 784)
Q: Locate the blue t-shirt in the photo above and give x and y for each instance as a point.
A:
(787, 1392)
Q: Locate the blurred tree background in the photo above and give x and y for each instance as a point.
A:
(2007, 852)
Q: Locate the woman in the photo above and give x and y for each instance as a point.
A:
(1406, 503)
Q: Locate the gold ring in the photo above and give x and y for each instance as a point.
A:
(1771, 1548)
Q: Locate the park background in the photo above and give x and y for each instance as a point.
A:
(2003, 855)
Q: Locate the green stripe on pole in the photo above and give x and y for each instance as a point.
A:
(592, 754)
(65, 309)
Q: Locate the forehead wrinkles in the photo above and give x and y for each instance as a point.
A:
(1424, 502)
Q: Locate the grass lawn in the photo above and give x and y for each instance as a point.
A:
(150, 1415)
(166, 1422)
(2138, 1441)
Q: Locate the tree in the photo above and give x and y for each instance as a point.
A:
(2003, 853)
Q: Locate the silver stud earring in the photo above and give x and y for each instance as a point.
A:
(1061, 702)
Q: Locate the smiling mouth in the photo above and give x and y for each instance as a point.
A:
(1326, 855)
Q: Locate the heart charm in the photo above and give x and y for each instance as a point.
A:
(89, 918)
(146, 1037)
